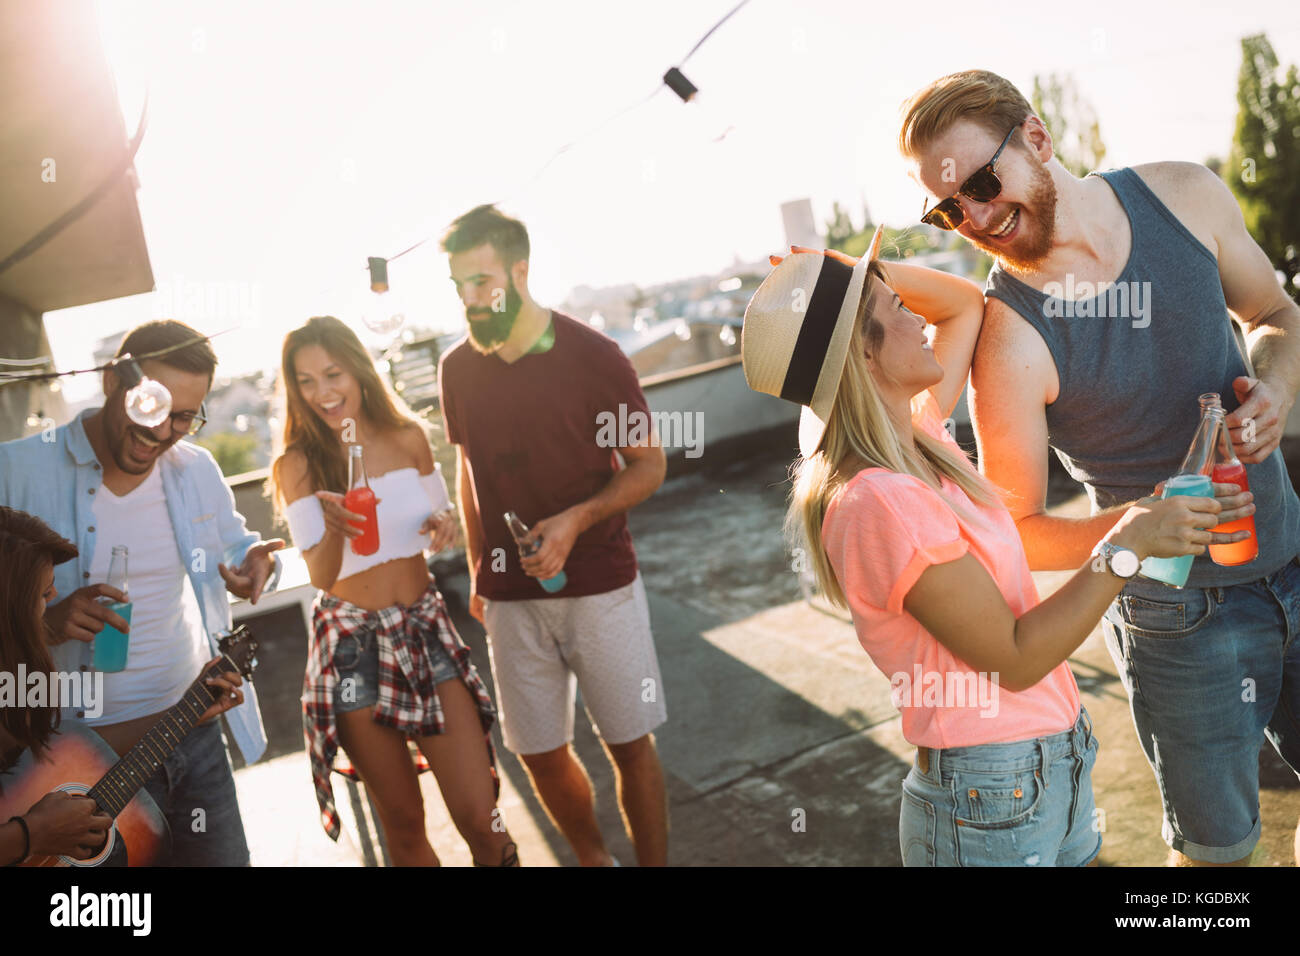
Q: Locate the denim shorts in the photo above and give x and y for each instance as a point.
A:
(1211, 673)
(1027, 803)
(356, 661)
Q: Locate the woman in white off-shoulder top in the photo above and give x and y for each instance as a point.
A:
(386, 667)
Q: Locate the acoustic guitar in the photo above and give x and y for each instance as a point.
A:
(77, 755)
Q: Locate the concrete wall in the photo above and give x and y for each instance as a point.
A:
(22, 335)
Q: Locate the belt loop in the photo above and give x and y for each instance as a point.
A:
(935, 775)
(1044, 759)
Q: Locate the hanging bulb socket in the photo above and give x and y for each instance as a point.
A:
(127, 369)
(148, 403)
(680, 85)
(378, 274)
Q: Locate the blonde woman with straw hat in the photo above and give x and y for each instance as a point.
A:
(905, 532)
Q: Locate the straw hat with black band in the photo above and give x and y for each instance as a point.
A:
(795, 338)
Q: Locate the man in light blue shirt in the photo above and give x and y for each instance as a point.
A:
(168, 499)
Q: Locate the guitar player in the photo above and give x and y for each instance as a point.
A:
(59, 824)
(104, 481)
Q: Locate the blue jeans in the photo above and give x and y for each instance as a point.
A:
(1211, 672)
(195, 788)
(1027, 803)
(356, 658)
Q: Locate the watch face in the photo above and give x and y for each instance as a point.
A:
(1125, 563)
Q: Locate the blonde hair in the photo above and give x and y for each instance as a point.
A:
(984, 98)
(860, 429)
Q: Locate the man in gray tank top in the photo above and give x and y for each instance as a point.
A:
(1108, 312)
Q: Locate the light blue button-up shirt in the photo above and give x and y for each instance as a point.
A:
(55, 476)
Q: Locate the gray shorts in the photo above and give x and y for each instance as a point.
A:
(544, 650)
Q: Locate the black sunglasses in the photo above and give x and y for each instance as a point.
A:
(982, 185)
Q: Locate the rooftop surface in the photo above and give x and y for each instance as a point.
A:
(781, 747)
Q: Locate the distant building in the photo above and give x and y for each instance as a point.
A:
(800, 226)
(413, 368)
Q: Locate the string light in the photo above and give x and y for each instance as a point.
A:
(389, 317)
(10, 378)
(148, 403)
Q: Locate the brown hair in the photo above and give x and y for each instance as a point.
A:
(304, 431)
(27, 546)
(487, 224)
(984, 98)
(197, 357)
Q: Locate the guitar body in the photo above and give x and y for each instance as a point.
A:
(75, 761)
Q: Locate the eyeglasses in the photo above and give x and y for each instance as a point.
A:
(982, 185)
(189, 423)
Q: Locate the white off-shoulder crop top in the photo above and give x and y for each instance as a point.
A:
(406, 499)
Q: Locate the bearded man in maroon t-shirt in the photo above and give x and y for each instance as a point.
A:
(522, 397)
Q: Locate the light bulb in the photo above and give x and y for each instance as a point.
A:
(728, 335)
(148, 403)
(384, 313)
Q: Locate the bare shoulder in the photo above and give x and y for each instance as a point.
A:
(1176, 175)
(1193, 193)
(415, 446)
(291, 472)
(1011, 353)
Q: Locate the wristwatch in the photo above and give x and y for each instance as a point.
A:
(1122, 562)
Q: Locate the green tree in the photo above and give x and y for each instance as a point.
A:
(1263, 168)
(839, 228)
(1072, 121)
(235, 453)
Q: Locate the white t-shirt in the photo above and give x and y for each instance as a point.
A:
(167, 647)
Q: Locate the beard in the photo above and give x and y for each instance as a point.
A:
(118, 427)
(489, 328)
(1031, 246)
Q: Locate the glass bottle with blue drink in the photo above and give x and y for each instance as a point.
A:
(111, 644)
(520, 532)
(1193, 479)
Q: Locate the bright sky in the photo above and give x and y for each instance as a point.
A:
(289, 141)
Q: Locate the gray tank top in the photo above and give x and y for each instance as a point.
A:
(1132, 361)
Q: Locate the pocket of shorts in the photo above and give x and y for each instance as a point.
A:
(916, 831)
(996, 801)
(1168, 619)
(346, 653)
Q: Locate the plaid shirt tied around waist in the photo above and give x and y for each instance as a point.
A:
(407, 703)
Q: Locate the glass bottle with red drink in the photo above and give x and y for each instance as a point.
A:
(360, 499)
(1229, 470)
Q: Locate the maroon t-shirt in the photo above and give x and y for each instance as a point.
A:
(529, 430)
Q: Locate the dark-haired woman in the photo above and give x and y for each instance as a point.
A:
(59, 823)
(386, 665)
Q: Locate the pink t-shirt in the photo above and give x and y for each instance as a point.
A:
(881, 532)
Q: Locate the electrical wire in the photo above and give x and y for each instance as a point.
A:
(42, 360)
(9, 378)
(712, 28)
(617, 114)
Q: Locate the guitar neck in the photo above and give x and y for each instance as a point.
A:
(138, 764)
